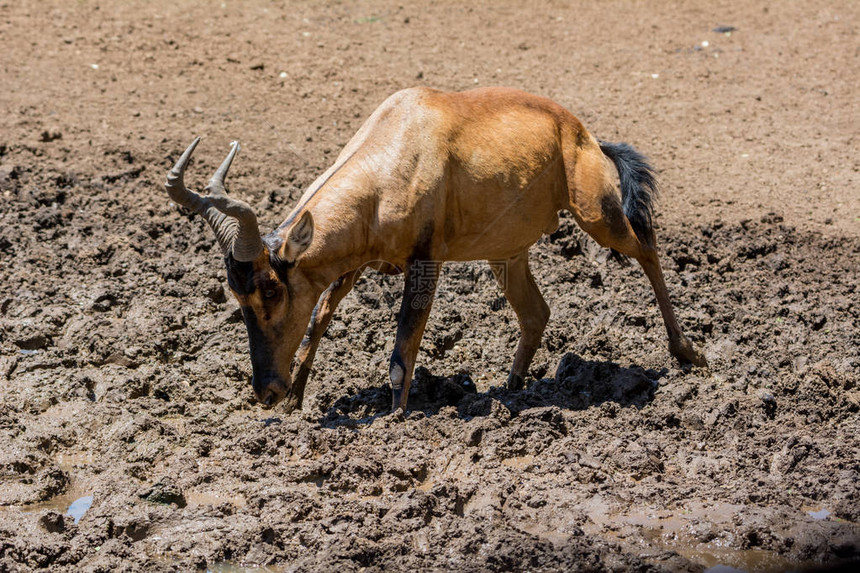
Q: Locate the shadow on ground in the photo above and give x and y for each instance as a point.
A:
(577, 385)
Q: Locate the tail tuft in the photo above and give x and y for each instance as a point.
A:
(638, 187)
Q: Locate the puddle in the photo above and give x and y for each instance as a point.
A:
(232, 567)
(76, 501)
(79, 507)
(195, 498)
(723, 569)
(728, 560)
(73, 505)
(702, 533)
(820, 514)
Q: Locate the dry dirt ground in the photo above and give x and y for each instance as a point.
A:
(124, 367)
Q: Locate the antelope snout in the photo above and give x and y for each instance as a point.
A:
(269, 390)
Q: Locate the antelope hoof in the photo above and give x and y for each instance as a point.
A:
(291, 403)
(515, 382)
(396, 399)
(686, 353)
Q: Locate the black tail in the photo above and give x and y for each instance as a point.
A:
(638, 187)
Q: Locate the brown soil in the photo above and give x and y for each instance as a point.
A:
(124, 366)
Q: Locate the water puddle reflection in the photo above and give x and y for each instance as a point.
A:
(820, 514)
(73, 505)
(698, 532)
(231, 567)
(79, 507)
(723, 569)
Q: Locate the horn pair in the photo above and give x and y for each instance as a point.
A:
(233, 221)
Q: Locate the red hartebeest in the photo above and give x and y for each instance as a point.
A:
(430, 176)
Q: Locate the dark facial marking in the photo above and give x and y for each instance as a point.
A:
(262, 360)
(240, 276)
(281, 267)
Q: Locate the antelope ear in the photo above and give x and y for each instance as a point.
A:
(299, 238)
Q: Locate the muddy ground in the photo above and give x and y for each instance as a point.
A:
(123, 362)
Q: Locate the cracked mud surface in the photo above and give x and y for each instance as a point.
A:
(123, 362)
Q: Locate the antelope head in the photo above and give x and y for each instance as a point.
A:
(276, 298)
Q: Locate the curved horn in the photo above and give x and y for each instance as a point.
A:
(175, 185)
(223, 226)
(247, 244)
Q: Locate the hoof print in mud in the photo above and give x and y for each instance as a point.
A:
(52, 522)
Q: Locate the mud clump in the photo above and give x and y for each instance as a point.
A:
(165, 492)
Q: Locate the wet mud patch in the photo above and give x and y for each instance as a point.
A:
(611, 457)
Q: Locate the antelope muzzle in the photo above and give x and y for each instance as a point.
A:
(269, 388)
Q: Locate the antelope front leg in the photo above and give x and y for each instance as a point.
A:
(320, 320)
(421, 280)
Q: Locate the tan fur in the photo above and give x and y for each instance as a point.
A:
(488, 169)
(446, 176)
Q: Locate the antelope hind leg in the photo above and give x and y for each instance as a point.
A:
(521, 290)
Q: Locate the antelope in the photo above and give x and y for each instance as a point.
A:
(431, 176)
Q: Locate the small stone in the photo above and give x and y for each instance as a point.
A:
(49, 136)
(768, 403)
